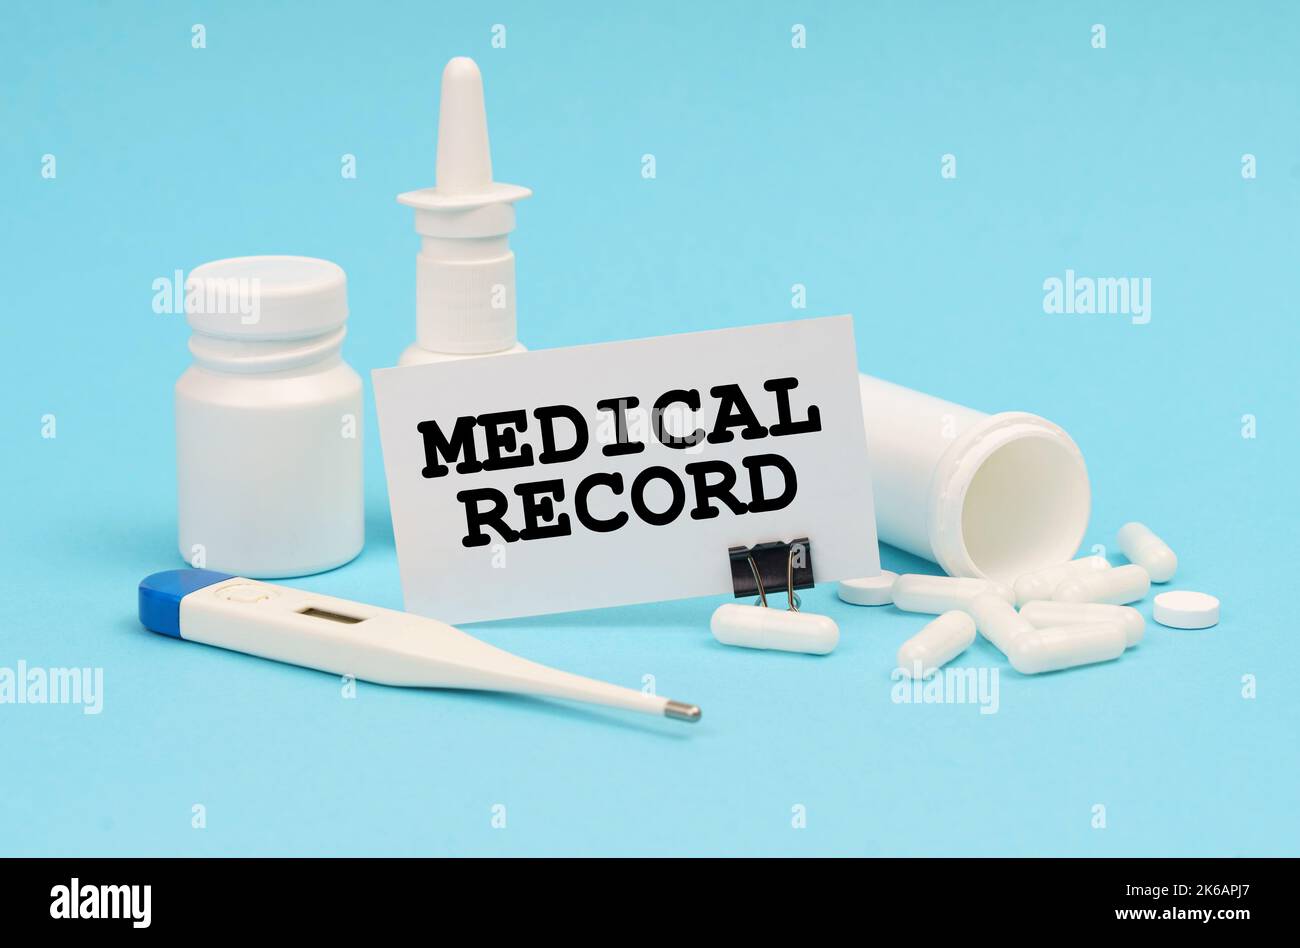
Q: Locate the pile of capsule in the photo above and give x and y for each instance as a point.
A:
(1073, 614)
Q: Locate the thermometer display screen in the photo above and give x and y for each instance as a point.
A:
(325, 614)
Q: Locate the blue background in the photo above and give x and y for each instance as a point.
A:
(775, 166)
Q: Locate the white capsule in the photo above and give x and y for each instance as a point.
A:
(1065, 646)
(1141, 546)
(999, 622)
(1041, 583)
(918, 592)
(1044, 614)
(773, 628)
(942, 640)
(1118, 586)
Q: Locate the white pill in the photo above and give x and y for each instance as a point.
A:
(1185, 609)
(1043, 614)
(999, 622)
(942, 640)
(1041, 583)
(1065, 646)
(869, 590)
(773, 628)
(917, 592)
(1118, 586)
(1141, 546)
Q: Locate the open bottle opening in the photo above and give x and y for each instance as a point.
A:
(1026, 507)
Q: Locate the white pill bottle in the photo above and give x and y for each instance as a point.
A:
(993, 496)
(268, 420)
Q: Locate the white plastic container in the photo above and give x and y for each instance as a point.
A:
(268, 420)
(993, 496)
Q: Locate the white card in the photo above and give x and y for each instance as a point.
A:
(491, 521)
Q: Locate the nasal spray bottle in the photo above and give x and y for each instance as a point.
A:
(465, 271)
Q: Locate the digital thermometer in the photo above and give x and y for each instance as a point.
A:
(367, 642)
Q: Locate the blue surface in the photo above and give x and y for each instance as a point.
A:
(161, 594)
(775, 166)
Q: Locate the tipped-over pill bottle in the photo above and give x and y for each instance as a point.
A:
(991, 496)
(268, 420)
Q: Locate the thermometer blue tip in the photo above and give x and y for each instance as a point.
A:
(161, 595)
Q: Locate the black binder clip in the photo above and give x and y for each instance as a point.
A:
(764, 566)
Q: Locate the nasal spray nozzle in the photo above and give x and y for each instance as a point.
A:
(465, 271)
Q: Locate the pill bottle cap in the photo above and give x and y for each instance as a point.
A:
(266, 297)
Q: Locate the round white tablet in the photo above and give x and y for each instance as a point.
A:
(870, 590)
(1185, 609)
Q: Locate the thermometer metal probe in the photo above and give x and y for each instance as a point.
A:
(367, 642)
